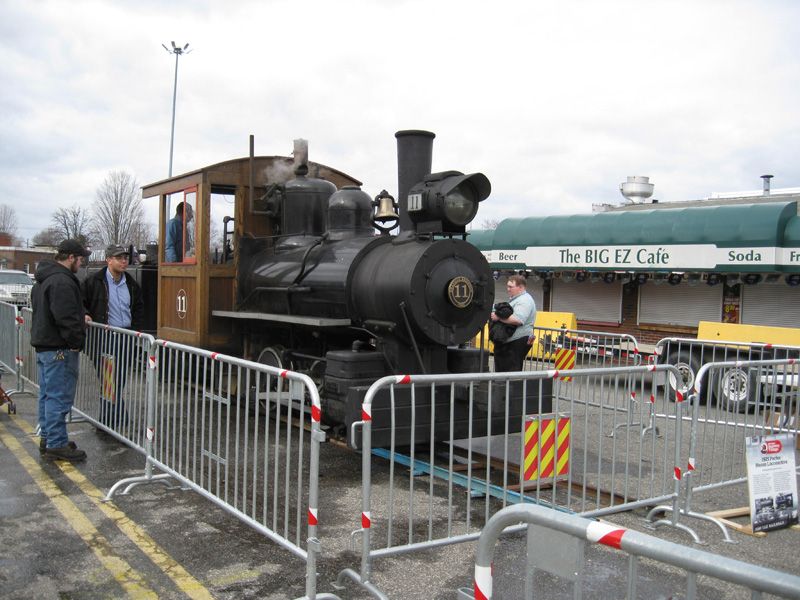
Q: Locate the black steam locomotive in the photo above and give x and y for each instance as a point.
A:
(357, 306)
(319, 290)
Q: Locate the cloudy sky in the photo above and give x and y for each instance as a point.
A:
(556, 102)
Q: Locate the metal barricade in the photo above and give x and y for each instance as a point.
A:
(539, 437)
(565, 349)
(557, 544)
(9, 337)
(731, 402)
(27, 355)
(688, 355)
(581, 349)
(112, 391)
(241, 434)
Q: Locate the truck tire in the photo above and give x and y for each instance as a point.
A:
(736, 389)
(687, 366)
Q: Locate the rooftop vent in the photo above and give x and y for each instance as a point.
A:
(636, 189)
(766, 179)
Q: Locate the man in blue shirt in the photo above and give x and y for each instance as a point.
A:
(174, 246)
(509, 356)
(112, 296)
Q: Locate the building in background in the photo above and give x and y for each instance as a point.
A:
(656, 269)
(22, 259)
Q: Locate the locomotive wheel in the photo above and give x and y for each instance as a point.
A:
(272, 356)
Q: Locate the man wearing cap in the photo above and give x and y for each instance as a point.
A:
(58, 332)
(111, 296)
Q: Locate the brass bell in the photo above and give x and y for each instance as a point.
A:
(386, 208)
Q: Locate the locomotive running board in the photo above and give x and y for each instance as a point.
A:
(297, 320)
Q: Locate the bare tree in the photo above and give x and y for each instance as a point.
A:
(48, 237)
(72, 223)
(118, 216)
(8, 219)
(490, 223)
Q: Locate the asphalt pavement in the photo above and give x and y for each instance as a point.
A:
(59, 540)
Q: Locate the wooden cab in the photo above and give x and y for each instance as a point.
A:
(198, 257)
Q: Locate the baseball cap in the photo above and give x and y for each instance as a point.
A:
(73, 247)
(116, 250)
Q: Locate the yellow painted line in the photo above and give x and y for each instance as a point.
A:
(172, 569)
(130, 580)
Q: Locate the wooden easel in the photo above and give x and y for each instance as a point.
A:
(729, 513)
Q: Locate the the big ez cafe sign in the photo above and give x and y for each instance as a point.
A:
(683, 257)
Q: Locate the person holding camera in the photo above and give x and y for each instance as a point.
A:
(509, 355)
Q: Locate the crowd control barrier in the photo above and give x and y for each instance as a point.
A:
(557, 544)
(539, 437)
(113, 392)
(234, 431)
(581, 349)
(766, 397)
(566, 348)
(26, 363)
(688, 355)
(9, 337)
(243, 435)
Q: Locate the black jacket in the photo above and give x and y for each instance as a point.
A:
(58, 322)
(95, 298)
(499, 332)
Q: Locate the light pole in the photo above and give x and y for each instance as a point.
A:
(177, 51)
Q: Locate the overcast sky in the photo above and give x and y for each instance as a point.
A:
(555, 102)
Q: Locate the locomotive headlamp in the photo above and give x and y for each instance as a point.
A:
(447, 201)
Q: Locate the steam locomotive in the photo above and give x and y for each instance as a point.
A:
(323, 293)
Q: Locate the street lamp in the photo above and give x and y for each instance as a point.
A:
(177, 51)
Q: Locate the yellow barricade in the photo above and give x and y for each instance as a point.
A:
(735, 332)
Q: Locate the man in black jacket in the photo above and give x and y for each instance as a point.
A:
(58, 332)
(111, 296)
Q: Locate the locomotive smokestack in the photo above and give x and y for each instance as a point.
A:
(414, 160)
(300, 157)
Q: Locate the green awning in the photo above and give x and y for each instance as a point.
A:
(791, 246)
(736, 237)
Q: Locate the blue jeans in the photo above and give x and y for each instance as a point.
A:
(58, 378)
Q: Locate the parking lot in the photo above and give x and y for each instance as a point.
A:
(60, 540)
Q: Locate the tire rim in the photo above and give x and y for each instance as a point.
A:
(734, 387)
(687, 377)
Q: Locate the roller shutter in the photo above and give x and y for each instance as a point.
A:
(534, 288)
(599, 302)
(681, 304)
(775, 304)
